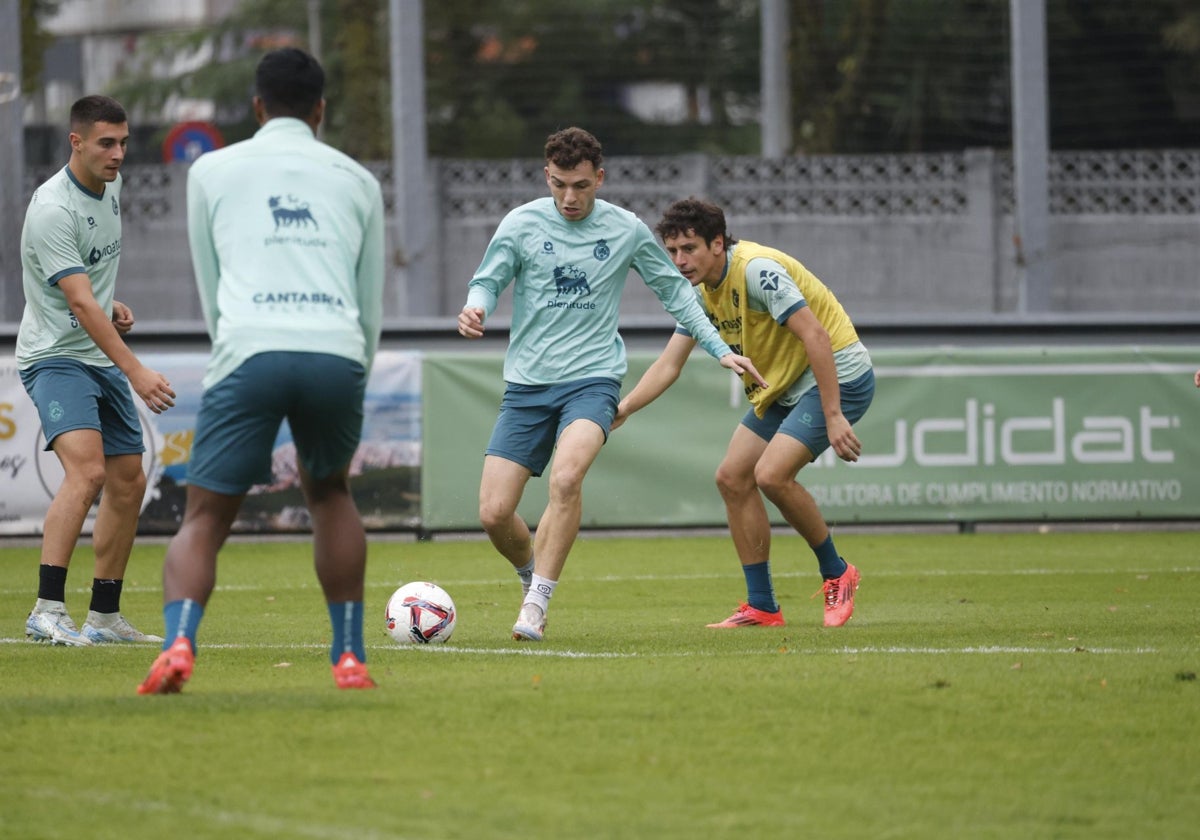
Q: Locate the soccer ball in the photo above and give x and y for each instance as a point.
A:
(420, 613)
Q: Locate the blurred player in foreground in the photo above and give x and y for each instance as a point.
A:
(771, 307)
(78, 371)
(567, 257)
(286, 236)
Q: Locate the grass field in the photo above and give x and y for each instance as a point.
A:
(990, 686)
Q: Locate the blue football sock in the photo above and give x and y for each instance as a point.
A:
(181, 618)
(760, 593)
(831, 563)
(346, 618)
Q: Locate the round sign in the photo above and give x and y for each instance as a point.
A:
(188, 140)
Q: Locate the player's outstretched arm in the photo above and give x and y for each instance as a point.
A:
(741, 365)
(660, 376)
(470, 322)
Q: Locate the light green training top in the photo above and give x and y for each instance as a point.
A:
(567, 281)
(68, 230)
(287, 246)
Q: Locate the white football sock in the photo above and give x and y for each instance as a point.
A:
(540, 590)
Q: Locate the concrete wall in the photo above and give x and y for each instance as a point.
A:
(894, 236)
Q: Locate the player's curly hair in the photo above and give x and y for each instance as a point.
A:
(694, 215)
(570, 147)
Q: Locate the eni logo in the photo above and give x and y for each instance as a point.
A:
(297, 215)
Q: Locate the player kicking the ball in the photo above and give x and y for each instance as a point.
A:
(773, 309)
(567, 257)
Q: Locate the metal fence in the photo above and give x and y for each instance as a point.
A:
(929, 233)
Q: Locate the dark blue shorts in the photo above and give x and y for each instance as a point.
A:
(533, 416)
(320, 396)
(71, 395)
(805, 421)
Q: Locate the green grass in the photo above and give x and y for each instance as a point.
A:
(989, 686)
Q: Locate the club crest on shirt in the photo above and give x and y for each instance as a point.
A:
(293, 214)
(601, 251)
(116, 206)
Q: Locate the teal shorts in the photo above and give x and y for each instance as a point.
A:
(320, 396)
(533, 416)
(805, 421)
(71, 395)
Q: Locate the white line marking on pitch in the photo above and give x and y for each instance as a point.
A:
(785, 649)
(878, 573)
(263, 824)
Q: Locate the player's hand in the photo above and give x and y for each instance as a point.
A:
(622, 415)
(153, 388)
(470, 322)
(122, 317)
(742, 365)
(1198, 379)
(845, 443)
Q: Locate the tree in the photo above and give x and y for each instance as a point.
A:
(218, 64)
(34, 41)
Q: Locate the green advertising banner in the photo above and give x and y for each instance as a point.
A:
(954, 435)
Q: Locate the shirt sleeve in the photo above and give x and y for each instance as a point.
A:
(205, 264)
(677, 296)
(55, 244)
(770, 288)
(499, 267)
(370, 278)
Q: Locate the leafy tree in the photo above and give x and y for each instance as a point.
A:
(218, 65)
(929, 75)
(34, 41)
(500, 78)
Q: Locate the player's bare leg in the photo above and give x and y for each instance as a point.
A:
(500, 491)
(750, 530)
(190, 567)
(775, 475)
(117, 517)
(577, 448)
(749, 525)
(81, 453)
(339, 540)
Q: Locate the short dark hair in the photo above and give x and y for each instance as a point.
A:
(694, 215)
(290, 82)
(90, 110)
(570, 147)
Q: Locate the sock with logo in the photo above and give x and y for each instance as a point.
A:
(831, 563)
(346, 618)
(525, 573)
(760, 592)
(182, 619)
(52, 583)
(540, 591)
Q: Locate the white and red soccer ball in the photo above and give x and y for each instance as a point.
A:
(420, 613)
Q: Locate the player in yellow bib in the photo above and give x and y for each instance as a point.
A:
(768, 306)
